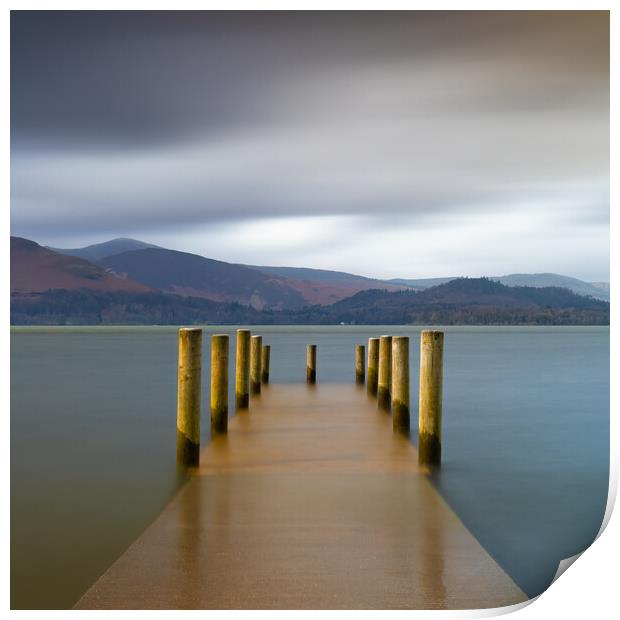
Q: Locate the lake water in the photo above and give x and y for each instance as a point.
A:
(93, 411)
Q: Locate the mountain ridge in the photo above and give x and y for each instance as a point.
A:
(465, 301)
(35, 268)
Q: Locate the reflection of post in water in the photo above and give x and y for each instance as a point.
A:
(189, 558)
(433, 551)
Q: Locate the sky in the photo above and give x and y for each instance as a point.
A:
(387, 144)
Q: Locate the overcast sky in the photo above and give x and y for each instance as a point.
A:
(387, 144)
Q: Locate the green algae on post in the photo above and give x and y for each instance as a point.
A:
(242, 369)
(400, 384)
(219, 383)
(311, 363)
(373, 366)
(384, 382)
(188, 396)
(255, 363)
(431, 387)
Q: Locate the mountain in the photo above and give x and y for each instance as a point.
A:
(464, 301)
(472, 301)
(190, 275)
(322, 286)
(598, 290)
(421, 283)
(36, 269)
(99, 251)
(538, 280)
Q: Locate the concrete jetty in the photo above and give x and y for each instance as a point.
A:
(309, 502)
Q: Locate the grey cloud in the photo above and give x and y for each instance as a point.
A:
(131, 123)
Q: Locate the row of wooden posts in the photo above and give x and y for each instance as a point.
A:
(252, 370)
(388, 380)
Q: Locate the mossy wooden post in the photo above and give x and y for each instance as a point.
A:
(431, 385)
(373, 366)
(255, 363)
(265, 363)
(384, 382)
(188, 396)
(242, 369)
(360, 372)
(311, 363)
(400, 384)
(219, 383)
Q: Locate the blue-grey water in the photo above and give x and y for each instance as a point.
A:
(525, 446)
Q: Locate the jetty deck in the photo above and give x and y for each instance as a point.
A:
(310, 501)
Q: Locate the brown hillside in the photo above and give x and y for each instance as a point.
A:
(36, 269)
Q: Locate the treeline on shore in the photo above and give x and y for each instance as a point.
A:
(467, 301)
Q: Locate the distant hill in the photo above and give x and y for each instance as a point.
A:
(322, 286)
(421, 283)
(599, 290)
(190, 275)
(476, 301)
(99, 251)
(472, 301)
(36, 269)
(553, 279)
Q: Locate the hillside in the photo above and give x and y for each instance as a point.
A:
(598, 290)
(190, 275)
(460, 302)
(99, 251)
(322, 286)
(553, 279)
(36, 269)
(471, 301)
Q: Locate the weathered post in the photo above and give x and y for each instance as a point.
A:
(311, 363)
(373, 366)
(255, 361)
(431, 385)
(384, 382)
(360, 372)
(242, 369)
(219, 383)
(400, 384)
(188, 396)
(265, 363)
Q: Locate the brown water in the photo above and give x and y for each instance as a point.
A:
(526, 441)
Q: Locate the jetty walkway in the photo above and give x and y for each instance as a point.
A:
(310, 501)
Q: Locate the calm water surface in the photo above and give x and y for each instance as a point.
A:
(526, 440)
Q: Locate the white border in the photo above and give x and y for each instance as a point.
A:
(588, 587)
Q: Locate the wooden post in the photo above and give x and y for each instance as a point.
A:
(360, 372)
(265, 363)
(384, 382)
(188, 396)
(373, 366)
(219, 383)
(242, 369)
(255, 361)
(400, 384)
(431, 385)
(311, 363)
